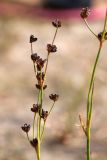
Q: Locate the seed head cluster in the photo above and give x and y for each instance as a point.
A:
(56, 23)
(40, 69)
(85, 12)
(26, 127)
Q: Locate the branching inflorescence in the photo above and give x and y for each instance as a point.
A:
(102, 36)
(40, 115)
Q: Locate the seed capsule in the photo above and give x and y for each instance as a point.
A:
(32, 39)
(26, 127)
(56, 23)
(85, 12)
(54, 97)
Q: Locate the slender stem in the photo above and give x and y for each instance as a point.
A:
(55, 35)
(104, 29)
(34, 125)
(28, 137)
(45, 120)
(88, 144)
(43, 130)
(51, 108)
(92, 78)
(39, 122)
(49, 54)
(41, 96)
(34, 68)
(35, 116)
(91, 89)
(31, 49)
(89, 102)
(38, 148)
(89, 125)
(89, 27)
(46, 65)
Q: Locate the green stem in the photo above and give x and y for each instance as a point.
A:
(38, 148)
(89, 102)
(34, 125)
(89, 28)
(45, 121)
(88, 144)
(41, 98)
(92, 79)
(43, 130)
(91, 89)
(88, 131)
(35, 116)
(104, 28)
(39, 124)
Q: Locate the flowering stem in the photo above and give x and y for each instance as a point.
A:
(89, 102)
(91, 90)
(92, 79)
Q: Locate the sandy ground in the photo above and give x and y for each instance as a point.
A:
(68, 75)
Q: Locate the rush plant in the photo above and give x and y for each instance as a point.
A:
(40, 115)
(86, 126)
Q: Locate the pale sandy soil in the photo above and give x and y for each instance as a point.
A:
(68, 75)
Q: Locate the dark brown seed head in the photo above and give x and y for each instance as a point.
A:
(35, 57)
(44, 115)
(26, 128)
(54, 97)
(56, 23)
(51, 48)
(40, 76)
(32, 39)
(40, 64)
(34, 142)
(85, 12)
(100, 36)
(44, 87)
(38, 86)
(35, 108)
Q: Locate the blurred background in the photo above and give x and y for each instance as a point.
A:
(68, 75)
